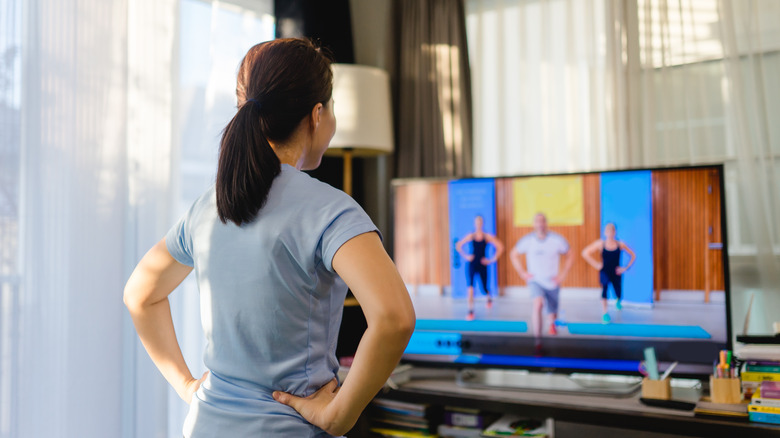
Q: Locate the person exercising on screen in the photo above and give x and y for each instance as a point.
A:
(478, 261)
(543, 249)
(609, 268)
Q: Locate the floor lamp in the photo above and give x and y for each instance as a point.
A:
(364, 123)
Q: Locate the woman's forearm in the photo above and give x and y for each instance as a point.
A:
(154, 325)
(459, 249)
(146, 297)
(591, 261)
(377, 355)
(631, 261)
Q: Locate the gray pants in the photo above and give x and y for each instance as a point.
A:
(550, 296)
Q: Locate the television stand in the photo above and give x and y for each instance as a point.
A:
(591, 384)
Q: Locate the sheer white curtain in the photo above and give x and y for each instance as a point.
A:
(568, 85)
(10, 148)
(151, 54)
(547, 86)
(90, 98)
(86, 99)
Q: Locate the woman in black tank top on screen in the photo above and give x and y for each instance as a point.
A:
(610, 271)
(478, 261)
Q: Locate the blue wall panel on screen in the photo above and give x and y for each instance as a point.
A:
(469, 199)
(626, 200)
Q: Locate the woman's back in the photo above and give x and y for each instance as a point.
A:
(270, 302)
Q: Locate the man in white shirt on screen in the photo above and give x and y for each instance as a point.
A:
(543, 249)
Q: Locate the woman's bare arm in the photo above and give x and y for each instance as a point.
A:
(588, 252)
(459, 246)
(630, 253)
(146, 297)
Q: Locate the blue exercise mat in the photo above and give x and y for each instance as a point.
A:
(454, 325)
(638, 330)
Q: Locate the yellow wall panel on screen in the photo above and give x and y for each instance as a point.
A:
(558, 197)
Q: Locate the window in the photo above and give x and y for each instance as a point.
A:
(10, 150)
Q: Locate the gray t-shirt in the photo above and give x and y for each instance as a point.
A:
(542, 256)
(271, 304)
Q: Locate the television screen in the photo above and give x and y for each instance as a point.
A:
(566, 272)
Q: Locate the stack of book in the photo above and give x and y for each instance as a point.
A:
(761, 357)
(395, 419)
(761, 376)
(765, 404)
(754, 372)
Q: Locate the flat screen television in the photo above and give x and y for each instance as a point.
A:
(505, 241)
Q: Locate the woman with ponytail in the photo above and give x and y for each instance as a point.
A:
(273, 252)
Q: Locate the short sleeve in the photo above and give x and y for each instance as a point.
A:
(522, 246)
(563, 245)
(349, 221)
(179, 242)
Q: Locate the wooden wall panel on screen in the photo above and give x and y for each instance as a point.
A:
(714, 280)
(441, 233)
(581, 274)
(680, 229)
(410, 233)
(401, 244)
(658, 182)
(421, 234)
(503, 229)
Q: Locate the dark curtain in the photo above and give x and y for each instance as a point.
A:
(434, 90)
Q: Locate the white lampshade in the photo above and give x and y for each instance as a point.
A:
(363, 111)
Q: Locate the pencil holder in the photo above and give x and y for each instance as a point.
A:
(725, 390)
(658, 389)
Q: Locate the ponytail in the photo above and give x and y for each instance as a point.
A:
(289, 77)
(247, 167)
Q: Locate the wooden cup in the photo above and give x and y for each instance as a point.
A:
(725, 390)
(658, 389)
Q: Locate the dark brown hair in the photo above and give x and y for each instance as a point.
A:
(279, 83)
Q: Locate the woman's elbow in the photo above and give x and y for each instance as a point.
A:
(132, 303)
(133, 299)
(407, 322)
(399, 323)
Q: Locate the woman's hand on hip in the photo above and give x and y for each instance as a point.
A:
(317, 408)
(191, 387)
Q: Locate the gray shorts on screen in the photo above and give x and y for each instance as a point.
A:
(550, 296)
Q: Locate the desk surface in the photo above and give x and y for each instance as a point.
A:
(626, 413)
